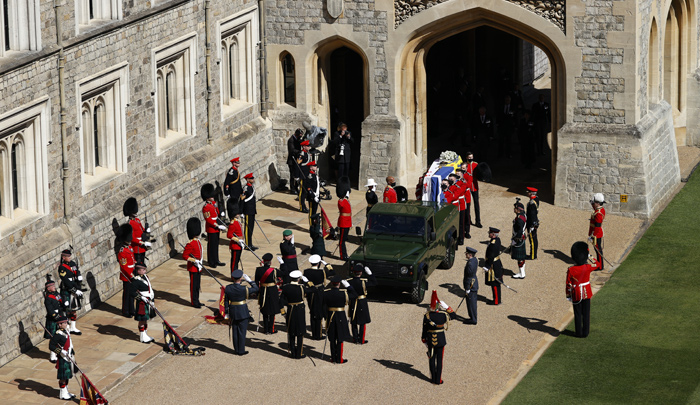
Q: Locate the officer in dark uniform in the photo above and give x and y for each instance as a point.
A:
(70, 289)
(435, 323)
(526, 140)
(293, 149)
(288, 252)
(359, 310)
(482, 129)
(142, 293)
(268, 299)
(318, 244)
(249, 210)
(517, 242)
(471, 283)
(292, 296)
(533, 222)
(302, 171)
(541, 117)
(335, 300)
(343, 141)
(371, 195)
(54, 310)
(233, 188)
(318, 273)
(62, 345)
(235, 296)
(312, 186)
(493, 267)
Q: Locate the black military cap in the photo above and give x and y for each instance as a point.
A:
(131, 207)
(494, 230)
(471, 250)
(359, 268)
(337, 279)
(194, 227)
(579, 252)
(267, 257)
(238, 273)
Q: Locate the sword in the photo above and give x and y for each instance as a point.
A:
(209, 272)
(324, 345)
(460, 303)
(263, 232)
(505, 285)
(601, 255)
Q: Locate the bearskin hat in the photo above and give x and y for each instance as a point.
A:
(233, 207)
(194, 227)
(208, 191)
(124, 233)
(579, 252)
(131, 207)
(483, 172)
(401, 194)
(343, 187)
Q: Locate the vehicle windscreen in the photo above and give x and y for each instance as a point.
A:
(386, 224)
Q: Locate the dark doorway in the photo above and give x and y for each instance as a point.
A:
(346, 90)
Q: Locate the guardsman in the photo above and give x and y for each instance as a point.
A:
(212, 224)
(435, 323)
(578, 287)
(249, 210)
(303, 162)
(517, 242)
(468, 169)
(70, 289)
(371, 195)
(235, 235)
(595, 230)
(288, 252)
(292, 296)
(318, 273)
(337, 330)
(471, 283)
(126, 260)
(62, 345)
(293, 149)
(358, 311)
(465, 200)
(453, 194)
(268, 298)
(493, 267)
(533, 222)
(312, 185)
(235, 298)
(318, 244)
(143, 295)
(233, 188)
(389, 192)
(130, 209)
(342, 190)
(193, 254)
(54, 310)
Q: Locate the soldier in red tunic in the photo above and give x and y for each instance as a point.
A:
(193, 253)
(468, 168)
(465, 184)
(595, 230)
(235, 234)
(130, 209)
(211, 217)
(453, 194)
(342, 190)
(578, 287)
(126, 260)
(389, 192)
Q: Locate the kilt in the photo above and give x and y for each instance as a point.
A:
(64, 368)
(517, 252)
(142, 312)
(51, 327)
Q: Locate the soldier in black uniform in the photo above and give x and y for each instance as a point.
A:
(319, 272)
(268, 299)
(62, 345)
(335, 300)
(54, 310)
(292, 296)
(233, 188)
(293, 149)
(493, 267)
(249, 210)
(70, 289)
(235, 297)
(359, 310)
(312, 186)
(533, 222)
(288, 252)
(318, 244)
(143, 295)
(343, 141)
(471, 284)
(370, 195)
(303, 159)
(517, 243)
(526, 139)
(435, 323)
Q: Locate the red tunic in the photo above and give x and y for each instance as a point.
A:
(389, 195)
(345, 218)
(194, 248)
(126, 263)
(211, 213)
(470, 173)
(454, 197)
(137, 232)
(578, 281)
(596, 227)
(235, 233)
(466, 183)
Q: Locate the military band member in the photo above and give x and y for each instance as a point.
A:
(54, 310)
(288, 252)
(468, 169)
(318, 243)
(293, 149)
(517, 242)
(471, 284)
(342, 190)
(595, 229)
(303, 161)
(130, 209)
(212, 225)
(435, 323)
(235, 235)
(193, 254)
(389, 192)
(371, 195)
(292, 296)
(318, 273)
(143, 295)
(533, 222)
(335, 300)
(358, 311)
(312, 185)
(268, 298)
(578, 287)
(236, 296)
(126, 260)
(233, 188)
(249, 210)
(62, 345)
(493, 267)
(70, 289)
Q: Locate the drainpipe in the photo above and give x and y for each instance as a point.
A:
(207, 18)
(58, 10)
(262, 57)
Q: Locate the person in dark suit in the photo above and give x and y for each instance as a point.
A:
(359, 309)
(335, 300)
(236, 296)
(288, 252)
(319, 272)
(482, 131)
(293, 150)
(292, 296)
(233, 188)
(471, 283)
(541, 115)
(526, 139)
(268, 299)
(435, 323)
(493, 267)
(343, 142)
(506, 127)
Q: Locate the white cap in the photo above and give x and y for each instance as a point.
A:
(598, 197)
(370, 183)
(295, 274)
(315, 259)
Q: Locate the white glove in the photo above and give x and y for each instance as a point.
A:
(64, 354)
(568, 299)
(443, 305)
(66, 303)
(304, 279)
(148, 230)
(144, 299)
(590, 239)
(590, 257)
(241, 243)
(368, 271)
(345, 283)
(468, 291)
(80, 278)
(292, 239)
(324, 262)
(223, 214)
(485, 268)
(198, 264)
(247, 278)
(78, 293)
(316, 199)
(147, 244)
(279, 259)
(512, 243)
(222, 228)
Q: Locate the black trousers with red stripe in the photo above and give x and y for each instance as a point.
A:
(213, 249)
(336, 348)
(599, 252)
(195, 280)
(496, 289)
(341, 243)
(358, 332)
(435, 364)
(268, 324)
(235, 259)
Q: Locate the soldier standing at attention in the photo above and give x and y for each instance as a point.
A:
(142, 294)
(318, 246)
(233, 188)
(62, 345)
(493, 266)
(130, 209)
(235, 235)
(235, 296)
(292, 296)
(359, 309)
(193, 254)
(343, 140)
(312, 185)
(268, 298)
(288, 252)
(70, 289)
(370, 195)
(319, 272)
(389, 192)
(54, 310)
(471, 283)
(249, 210)
(464, 183)
(342, 190)
(595, 230)
(468, 168)
(517, 243)
(578, 287)
(455, 196)
(303, 162)
(213, 227)
(533, 222)
(126, 260)
(337, 330)
(293, 149)
(435, 323)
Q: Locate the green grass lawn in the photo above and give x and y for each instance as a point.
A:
(644, 345)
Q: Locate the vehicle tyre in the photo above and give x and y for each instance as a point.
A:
(449, 259)
(418, 290)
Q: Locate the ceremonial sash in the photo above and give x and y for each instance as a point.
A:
(262, 284)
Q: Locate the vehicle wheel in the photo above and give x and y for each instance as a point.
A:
(449, 259)
(418, 291)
